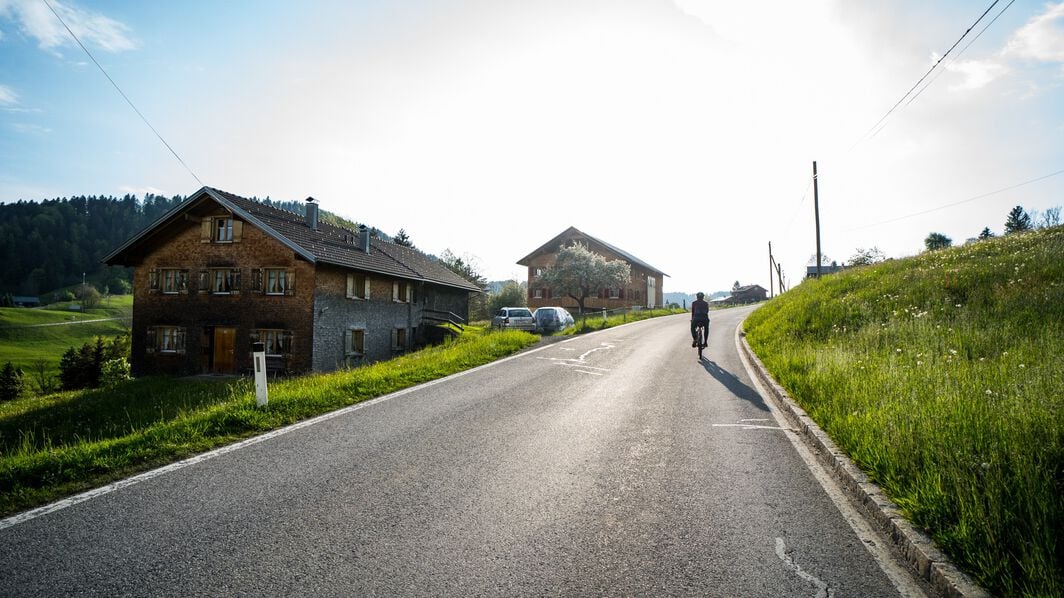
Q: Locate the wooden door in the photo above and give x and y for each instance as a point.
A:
(225, 350)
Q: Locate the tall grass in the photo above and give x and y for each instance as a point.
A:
(942, 376)
(58, 445)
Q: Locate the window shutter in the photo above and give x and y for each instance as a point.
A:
(290, 282)
(350, 286)
(153, 281)
(409, 293)
(179, 340)
(348, 336)
(366, 284)
(286, 342)
(204, 281)
(620, 293)
(255, 335)
(183, 282)
(150, 340)
(395, 338)
(395, 294)
(238, 229)
(235, 289)
(256, 281)
(205, 230)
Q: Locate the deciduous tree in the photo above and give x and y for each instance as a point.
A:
(580, 273)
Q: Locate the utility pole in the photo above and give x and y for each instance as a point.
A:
(770, 262)
(816, 210)
(779, 271)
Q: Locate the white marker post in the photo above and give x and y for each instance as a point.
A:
(258, 354)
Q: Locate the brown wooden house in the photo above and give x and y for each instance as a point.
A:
(643, 289)
(220, 272)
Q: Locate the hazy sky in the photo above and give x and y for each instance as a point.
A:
(682, 131)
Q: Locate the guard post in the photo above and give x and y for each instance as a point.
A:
(258, 355)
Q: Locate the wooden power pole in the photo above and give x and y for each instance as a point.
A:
(770, 263)
(816, 210)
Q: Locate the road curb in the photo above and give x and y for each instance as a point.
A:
(911, 544)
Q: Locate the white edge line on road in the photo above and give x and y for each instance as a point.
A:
(898, 575)
(154, 473)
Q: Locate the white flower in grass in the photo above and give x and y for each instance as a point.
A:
(989, 393)
(958, 305)
(898, 350)
(952, 351)
(1022, 366)
(918, 362)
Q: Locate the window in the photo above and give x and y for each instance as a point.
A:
(277, 342)
(223, 281)
(276, 281)
(355, 342)
(537, 294)
(399, 339)
(166, 339)
(357, 286)
(174, 281)
(615, 293)
(402, 292)
(223, 230)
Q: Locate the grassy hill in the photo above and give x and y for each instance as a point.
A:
(942, 376)
(31, 335)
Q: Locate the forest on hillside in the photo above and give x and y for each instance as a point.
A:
(50, 245)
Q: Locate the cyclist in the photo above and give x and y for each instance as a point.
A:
(699, 315)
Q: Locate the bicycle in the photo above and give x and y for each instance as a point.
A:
(701, 333)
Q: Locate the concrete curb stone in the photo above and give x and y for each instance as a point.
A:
(915, 547)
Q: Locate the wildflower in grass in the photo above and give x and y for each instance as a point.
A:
(989, 393)
(1022, 366)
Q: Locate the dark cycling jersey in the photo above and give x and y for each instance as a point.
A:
(699, 309)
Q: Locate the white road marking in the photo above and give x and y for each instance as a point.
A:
(588, 373)
(823, 591)
(899, 576)
(764, 419)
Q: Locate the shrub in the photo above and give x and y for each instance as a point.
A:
(114, 371)
(11, 382)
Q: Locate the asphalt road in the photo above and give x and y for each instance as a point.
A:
(611, 464)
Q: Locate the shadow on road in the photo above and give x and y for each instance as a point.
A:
(735, 385)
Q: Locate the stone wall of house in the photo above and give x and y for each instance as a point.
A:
(198, 312)
(378, 316)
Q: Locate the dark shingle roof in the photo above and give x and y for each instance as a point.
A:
(328, 244)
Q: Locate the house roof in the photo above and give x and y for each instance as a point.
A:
(748, 288)
(572, 233)
(328, 244)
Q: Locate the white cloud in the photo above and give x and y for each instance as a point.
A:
(8, 97)
(977, 73)
(1042, 38)
(30, 129)
(140, 191)
(37, 21)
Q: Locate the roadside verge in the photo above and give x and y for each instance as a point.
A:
(911, 544)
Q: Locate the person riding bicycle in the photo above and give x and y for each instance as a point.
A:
(699, 315)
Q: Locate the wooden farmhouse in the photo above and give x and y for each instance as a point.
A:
(220, 272)
(643, 289)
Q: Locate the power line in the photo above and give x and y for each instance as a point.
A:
(122, 93)
(956, 203)
(873, 131)
(959, 54)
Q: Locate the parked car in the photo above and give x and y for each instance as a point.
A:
(551, 319)
(517, 318)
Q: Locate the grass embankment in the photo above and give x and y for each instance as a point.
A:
(58, 445)
(28, 336)
(942, 376)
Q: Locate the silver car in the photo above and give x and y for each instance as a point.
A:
(552, 319)
(516, 318)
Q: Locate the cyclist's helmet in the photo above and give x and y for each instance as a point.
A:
(700, 294)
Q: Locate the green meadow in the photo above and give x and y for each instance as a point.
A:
(28, 336)
(942, 376)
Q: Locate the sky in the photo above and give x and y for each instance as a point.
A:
(682, 131)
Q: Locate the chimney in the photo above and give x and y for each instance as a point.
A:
(363, 237)
(312, 213)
